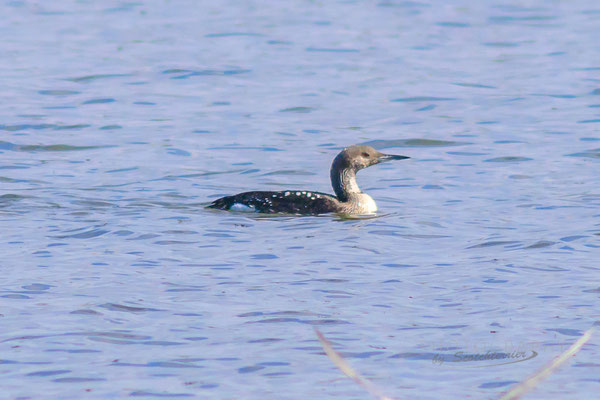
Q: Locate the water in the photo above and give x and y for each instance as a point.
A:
(121, 120)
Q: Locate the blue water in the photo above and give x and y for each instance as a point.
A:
(121, 120)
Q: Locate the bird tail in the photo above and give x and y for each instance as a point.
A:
(224, 203)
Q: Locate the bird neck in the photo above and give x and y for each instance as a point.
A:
(343, 180)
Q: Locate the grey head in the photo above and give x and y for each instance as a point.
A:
(358, 157)
(351, 160)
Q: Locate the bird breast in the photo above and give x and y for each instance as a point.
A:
(364, 203)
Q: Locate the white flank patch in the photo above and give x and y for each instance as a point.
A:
(241, 207)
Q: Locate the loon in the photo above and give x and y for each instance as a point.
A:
(348, 199)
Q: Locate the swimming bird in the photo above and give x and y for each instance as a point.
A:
(348, 199)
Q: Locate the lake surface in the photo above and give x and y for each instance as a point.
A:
(121, 120)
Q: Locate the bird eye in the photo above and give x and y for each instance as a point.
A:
(366, 155)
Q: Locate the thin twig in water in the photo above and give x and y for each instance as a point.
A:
(536, 378)
(343, 366)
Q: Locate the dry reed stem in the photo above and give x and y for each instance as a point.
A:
(545, 372)
(343, 366)
(513, 394)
